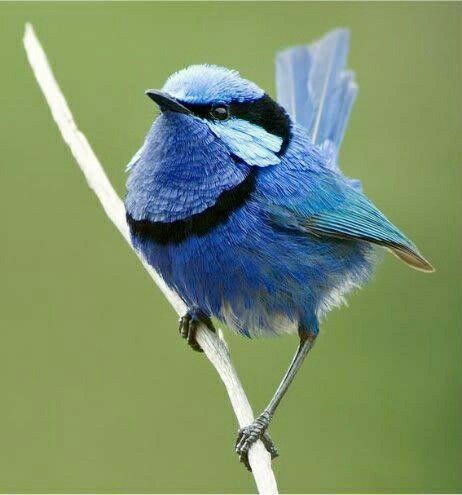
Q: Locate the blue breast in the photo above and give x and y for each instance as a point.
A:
(181, 171)
(258, 277)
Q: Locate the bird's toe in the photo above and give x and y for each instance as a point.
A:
(189, 323)
(247, 436)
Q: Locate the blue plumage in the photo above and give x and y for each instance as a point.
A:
(315, 88)
(239, 203)
(304, 236)
(202, 84)
(255, 271)
(251, 143)
(180, 171)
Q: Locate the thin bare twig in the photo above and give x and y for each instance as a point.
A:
(214, 346)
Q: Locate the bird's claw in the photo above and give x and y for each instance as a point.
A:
(189, 324)
(250, 434)
(269, 445)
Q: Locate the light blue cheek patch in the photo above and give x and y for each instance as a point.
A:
(251, 143)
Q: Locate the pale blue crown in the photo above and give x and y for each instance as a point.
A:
(206, 84)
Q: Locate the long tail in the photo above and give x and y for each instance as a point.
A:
(314, 87)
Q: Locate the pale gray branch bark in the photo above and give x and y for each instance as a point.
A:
(214, 346)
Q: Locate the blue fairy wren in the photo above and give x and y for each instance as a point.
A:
(237, 200)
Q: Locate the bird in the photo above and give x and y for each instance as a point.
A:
(238, 201)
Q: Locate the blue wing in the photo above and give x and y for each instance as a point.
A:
(318, 93)
(337, 210)
(315, 89)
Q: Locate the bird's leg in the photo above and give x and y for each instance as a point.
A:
(189, 324)
(257, 430)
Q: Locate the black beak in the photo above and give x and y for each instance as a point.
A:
(166, 102)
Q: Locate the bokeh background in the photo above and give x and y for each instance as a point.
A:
(98, 393)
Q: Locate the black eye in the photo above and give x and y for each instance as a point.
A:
(220, 112)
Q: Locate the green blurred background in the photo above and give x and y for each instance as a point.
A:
(98, 393)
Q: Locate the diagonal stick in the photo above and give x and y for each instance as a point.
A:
(214, 346)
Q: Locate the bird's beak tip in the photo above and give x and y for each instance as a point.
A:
(152, 93)
(166, 102)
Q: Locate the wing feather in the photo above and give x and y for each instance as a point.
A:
(351, 216)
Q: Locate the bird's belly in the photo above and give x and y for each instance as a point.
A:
(257, 280)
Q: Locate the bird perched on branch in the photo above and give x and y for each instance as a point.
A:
(238, 201)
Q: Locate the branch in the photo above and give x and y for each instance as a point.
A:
(214, 345)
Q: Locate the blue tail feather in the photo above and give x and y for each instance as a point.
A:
(314, 87)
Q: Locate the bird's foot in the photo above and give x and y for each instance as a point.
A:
(189, 324)
(250, 434)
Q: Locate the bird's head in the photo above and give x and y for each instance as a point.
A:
(214, 129)
(252, 125)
